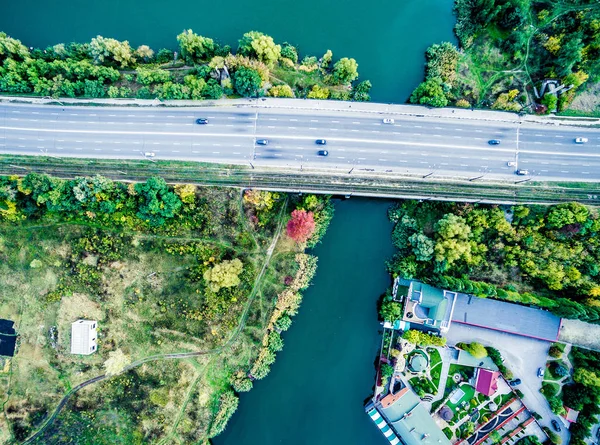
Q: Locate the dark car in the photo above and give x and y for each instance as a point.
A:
(540, 372)
(522, 172)
(494, 142)
(515, 382)
(321, 142)
(202, 121)
(323, 153)
(555, 425)
(262, 141)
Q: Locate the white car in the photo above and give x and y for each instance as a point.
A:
(149, 154)
(387, 120)
(581, 140)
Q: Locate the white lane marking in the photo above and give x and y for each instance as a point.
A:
(416, 134)
(335, 122)
(272, 119)
(112, 115)
(343, 149)
(236, 153)
(355, 130)
(538, 135)
(585, 173)
(356, 123)
(341, 157)
(418, 126)
(457, 137)
(131, 115)
(312, 128)
(537, 142)
(216, 145)
(293, 120)
(97, 149)
(217, 152)
(558, 136)
(478, 131)
(231, 118)
(557, 143)
(291, 128)
(229, 125)
(175, 151)
(314, 120)
(78, 148)
(116, 149)
(438, 128)
(270, 126)
(236, 145)
(458, 129)
(383, 160)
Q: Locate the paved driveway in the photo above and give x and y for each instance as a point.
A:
(523, 357)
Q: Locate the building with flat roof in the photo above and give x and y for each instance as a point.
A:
(429, 307)
(83, 337)
(410, 420)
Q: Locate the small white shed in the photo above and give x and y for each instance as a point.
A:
(83, 337)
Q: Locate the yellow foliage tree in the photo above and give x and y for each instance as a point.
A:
(186, 192)
(224, 274)
(318, 92)
(281, 91)
(116, 362)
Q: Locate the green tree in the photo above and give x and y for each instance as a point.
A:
(247, 82)
(477, 350)
(195, 48)
(12, 48)
(345, 71)
(442, 62)
(326, 59)
(156, 203)
(360, 92)
(550, 101)
(283, 323)
(430, 93)
(391, 311)
(275, 341)
(289, 52)
(423, 247)
(569, 54)
(258, 45)
(224, 274)
(387, 370)
(280, 91)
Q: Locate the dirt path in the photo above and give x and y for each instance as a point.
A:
(579, 333)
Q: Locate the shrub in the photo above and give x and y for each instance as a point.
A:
(555, 352)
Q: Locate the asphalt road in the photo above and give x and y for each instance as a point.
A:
(355, 140)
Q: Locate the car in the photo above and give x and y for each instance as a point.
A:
(202, 121)
(149, 154)
(494, 142)
(262, 142)
(515, 382)
(540, 372)
(387, 120)
(580, 140)
(555, 425)
(321, 142)
(511, 163)
(522, 172)
(323, 153)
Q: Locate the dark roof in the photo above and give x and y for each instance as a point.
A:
(506, 317)
(8, 338)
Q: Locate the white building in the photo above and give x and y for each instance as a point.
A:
(83, 337)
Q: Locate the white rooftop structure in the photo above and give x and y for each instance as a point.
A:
(83, 337)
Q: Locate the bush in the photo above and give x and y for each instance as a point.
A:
(448, 432)
(559, 370)
(555, 352)
(477, 350)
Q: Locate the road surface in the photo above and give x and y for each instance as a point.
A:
(440, 147)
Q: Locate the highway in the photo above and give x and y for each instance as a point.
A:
(356, 140)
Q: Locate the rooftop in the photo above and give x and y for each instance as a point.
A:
(506, 317)
(411, 420)
(487, 381)
(429, 306)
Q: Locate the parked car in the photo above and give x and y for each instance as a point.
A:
(580, 140)
(540, 373)
(555, 425)
(149, 154)
(515, 382)
(262, 142)
(387, 120)
(522, 172)
(494, 142)
(202, 121)
(321, 142)
(323, 153)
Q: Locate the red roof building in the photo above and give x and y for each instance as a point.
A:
(486, 381)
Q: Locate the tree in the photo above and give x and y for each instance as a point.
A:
(301, 226)
(387, 370)
(12, 48)
(289, 52)
(156, 203)
(195, 48)
(326, 59)
(452, 240)
(228, 403)
(116, 362)
(422, 338)
(147, 76)
(241, 382)
(477, 350)
(360, 92)
(275, 341)
(318, 92)
(391, 311)
(283, 323)
(224, 274)
(569, 54)
(442, 62)
(423, 247)
(280, 91)
(246, 82)
(345, 71)
(258, 45)
(105, 50)
(555, 352)
(430, 93)
(584, 376)
(550, 101)
(560, 370)
(144, 52)
(186, 192)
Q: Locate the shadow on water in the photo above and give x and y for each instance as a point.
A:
(316, 389)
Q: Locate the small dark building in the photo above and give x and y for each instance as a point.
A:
(8, 338)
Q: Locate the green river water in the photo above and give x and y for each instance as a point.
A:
(314, 394)
(386, 38)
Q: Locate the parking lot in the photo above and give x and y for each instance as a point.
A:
(524, 356)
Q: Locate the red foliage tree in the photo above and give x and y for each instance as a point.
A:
(301, 226)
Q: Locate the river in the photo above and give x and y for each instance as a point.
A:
(315, 391)
(387, 39)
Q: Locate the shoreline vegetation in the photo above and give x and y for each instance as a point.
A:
(200, 69)
(508, 49)
(212, 275)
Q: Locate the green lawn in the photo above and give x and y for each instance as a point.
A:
(469, 392)
(435, 366)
